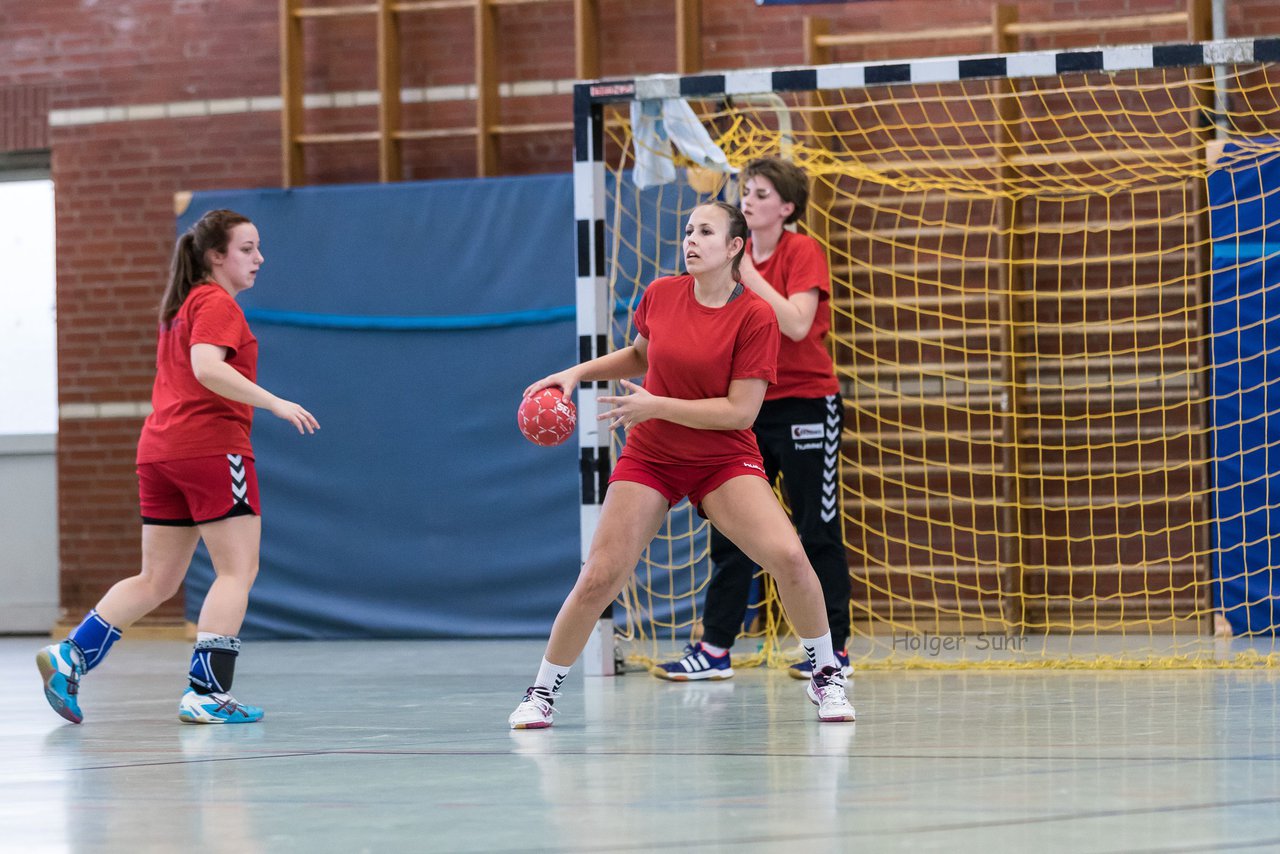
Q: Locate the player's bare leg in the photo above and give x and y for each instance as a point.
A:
(233, 549)
(629, 520)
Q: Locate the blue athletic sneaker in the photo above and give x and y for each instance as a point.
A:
(61, 666)
(804, 670)
(696, 664)
(215, 708)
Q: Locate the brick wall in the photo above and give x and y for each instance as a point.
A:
(143, 93)
(24, 118)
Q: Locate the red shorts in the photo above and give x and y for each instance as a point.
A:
(204, 489)
(676, 482)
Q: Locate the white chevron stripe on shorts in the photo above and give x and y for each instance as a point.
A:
(239, 488)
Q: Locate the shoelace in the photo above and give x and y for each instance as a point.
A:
(691, 652)
(226, 703)
(834, 693)
(543, 705)
(832, 685)
(77, 670)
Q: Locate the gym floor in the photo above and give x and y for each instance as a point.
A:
(379, 746)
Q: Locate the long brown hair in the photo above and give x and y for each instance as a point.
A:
(189, 266)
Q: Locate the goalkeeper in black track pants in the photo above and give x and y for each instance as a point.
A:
(798, 428)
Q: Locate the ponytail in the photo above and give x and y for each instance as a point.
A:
(184, 270)
(190, 266)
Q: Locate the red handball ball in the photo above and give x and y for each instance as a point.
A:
(547, 417)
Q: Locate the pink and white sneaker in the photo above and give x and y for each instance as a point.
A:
(827, 691)
(534, 712)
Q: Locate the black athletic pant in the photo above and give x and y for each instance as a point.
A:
(799, 437)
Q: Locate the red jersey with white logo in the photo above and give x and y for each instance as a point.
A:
(805, 369)
(188, 420)
(694, 353)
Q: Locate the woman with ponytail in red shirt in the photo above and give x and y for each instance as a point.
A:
(196, 475)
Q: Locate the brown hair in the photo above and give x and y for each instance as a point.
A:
(788, 179)
(189, 266)
(737, 228)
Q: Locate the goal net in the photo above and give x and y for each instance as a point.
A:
(1053, 331)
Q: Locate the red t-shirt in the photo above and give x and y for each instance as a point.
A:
(694, 353)
(188, 420)
(805, 369)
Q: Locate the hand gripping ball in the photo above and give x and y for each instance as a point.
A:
(547, 417)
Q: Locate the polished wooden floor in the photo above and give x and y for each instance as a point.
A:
(404, 746)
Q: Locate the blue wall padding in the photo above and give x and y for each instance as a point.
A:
(1245, 224)
(418, 510)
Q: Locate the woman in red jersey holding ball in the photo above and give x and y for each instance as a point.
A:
(707, 348)
(798, 428)
(196, 475)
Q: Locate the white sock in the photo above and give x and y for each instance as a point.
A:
(820, 652)
(551, 677)
(712, 649)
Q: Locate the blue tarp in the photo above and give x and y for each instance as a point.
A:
(1245, 224)
(418, 510)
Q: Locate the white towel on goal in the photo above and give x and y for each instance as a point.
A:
(655, 125)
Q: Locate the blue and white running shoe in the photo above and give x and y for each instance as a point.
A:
(215, 708)
(61, 666)
(804, 670)
(697, 664)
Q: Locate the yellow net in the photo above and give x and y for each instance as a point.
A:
(1022, 328)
